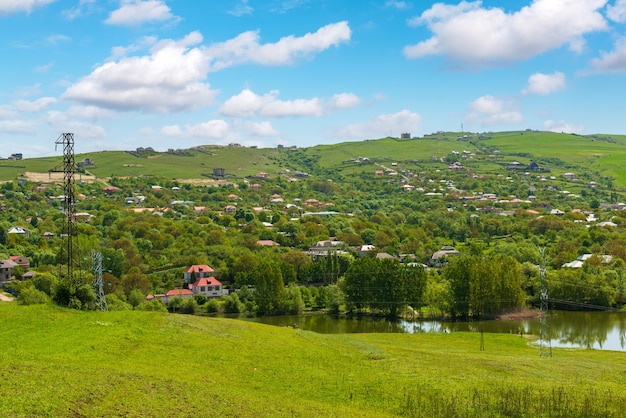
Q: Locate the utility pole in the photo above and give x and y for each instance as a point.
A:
(68, 168)
(101, 301)
(545, 340)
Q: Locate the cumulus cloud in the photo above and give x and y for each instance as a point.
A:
(490, 110)
(611, 62)
(382, 125)
(137, 12)
(63, 122)
(264, 128)
(248, 104)
(171, 79)
(213, 129)
(16, 6)
(543, 84)
(562, 126)
(344, 101)
(478, 36)
(617, 11)
(247, 48)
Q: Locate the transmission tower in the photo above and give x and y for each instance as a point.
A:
(101, 301)
(545, 341)
(68, 168)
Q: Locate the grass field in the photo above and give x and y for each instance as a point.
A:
(56, 362)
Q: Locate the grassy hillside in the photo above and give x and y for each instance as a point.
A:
(56, 362)
(588, 156)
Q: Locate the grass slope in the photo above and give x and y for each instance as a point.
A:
(56, 362)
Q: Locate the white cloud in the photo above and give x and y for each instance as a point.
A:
(241, 9)
(611, 62)
(62, 122)
(543, 84)
(247, 103)
(84, 7)
(16, 126)
(489, 110)
(89, 112)
(344, 101)
(137, 12)
(57, 39)
(481, 37)
(16, 6)
(213, 129)
(7, 112)
(264, 128)
(171, 79)
(562, 126)
(382, 125)
(42, 69)
(246, 47)
(34, 106)
(617, 11)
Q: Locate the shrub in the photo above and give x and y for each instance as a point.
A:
(232, 304)
(212, 306)
(114, 303)
(32, 296)
(152, 305)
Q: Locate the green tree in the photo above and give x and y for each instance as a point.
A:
(269, 287)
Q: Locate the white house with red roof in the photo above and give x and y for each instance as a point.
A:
(207, 286)
(197, 271)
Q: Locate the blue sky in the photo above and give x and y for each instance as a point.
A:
(121, 74)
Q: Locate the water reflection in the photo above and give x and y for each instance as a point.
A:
(597, 330)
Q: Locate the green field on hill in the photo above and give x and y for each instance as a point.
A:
(592, 156)
(58, 362)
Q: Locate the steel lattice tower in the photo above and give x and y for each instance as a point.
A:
(68, 168)
(545, 340)
(101, 301)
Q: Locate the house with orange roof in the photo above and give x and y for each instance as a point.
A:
(207, 286)
(197, 271)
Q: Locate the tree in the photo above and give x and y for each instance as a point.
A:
(135, 279)
(358, 284)
(269, 287)
(135, 297)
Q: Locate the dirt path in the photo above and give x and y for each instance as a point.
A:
(5, 298)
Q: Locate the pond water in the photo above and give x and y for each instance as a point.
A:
(593, 330)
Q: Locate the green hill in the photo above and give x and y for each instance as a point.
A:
(57, 362)
(592, 156)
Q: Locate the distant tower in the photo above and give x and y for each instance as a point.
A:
(545, 340)
(68, 168)
(101, 301)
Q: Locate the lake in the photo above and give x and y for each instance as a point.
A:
(592, 330)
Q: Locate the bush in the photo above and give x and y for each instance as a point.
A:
(232, 304)
(116, 304)
(189, 306)
(32, 296)
(212, 306)
(152, 305)
(200, 299)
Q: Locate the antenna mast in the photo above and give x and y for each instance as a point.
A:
(101, 301)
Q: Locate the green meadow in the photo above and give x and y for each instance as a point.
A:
(58, 362)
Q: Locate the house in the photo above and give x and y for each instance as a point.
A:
(569, 176)
(6, 271)
(439, 257)
(197, 271)
(109, 190)
(579, 262)
(230, 209)
(21, 261)
(207, 286)
(18, 230)
(267, 243)
(181, 293)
